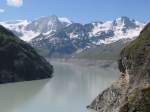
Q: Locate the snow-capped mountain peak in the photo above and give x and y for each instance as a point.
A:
(45, 24)
(125, 22)
(27, 30)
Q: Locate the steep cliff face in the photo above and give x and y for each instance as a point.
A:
(19, 61)
(131, 93)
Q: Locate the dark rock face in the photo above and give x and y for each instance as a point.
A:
(19, 61)
(131, 93)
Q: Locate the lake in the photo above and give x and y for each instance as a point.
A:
(71, 89)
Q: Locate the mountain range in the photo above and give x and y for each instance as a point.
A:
(56, 36)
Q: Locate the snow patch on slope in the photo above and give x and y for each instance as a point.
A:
(100, 27)
(65, 20)
(19, 27)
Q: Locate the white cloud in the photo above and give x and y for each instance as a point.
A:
(15, 3)
(2, 10)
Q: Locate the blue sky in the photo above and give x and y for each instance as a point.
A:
(76, 10)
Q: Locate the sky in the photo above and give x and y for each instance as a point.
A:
(77, 10)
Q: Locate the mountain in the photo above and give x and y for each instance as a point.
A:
(27, 30)
(19, 61)
(131, 93)
(59, 37)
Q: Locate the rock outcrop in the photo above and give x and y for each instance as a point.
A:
(131, 93)
(19, 61)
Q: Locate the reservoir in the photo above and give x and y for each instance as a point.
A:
(71, 89)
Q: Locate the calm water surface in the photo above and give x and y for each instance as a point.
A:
(70, 90)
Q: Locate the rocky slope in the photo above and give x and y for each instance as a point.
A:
(59, 37)
(103, 52)
(19, 61)
(131, 93)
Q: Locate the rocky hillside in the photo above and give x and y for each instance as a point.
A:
(103, 52)
(131, 93)
(19, 61)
